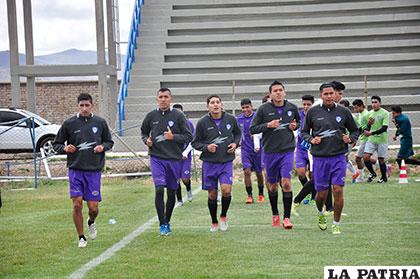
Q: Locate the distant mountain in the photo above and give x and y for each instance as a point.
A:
(70, 56)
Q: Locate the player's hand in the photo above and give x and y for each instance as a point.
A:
(293, 125)
(346, 138)
(316, 140)
(184, 157)
(149, 142)
(70, 148)
(98, 149)
(367, 133)
(231, 148)
(212, 148)
(257, 149)
(371, 121)
(273, 123)
(168, 134)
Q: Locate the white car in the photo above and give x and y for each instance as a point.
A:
(18, 139)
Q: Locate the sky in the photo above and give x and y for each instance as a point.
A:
(62, 24)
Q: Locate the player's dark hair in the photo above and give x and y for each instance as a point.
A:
(396, 109)
(178, 106)
(326, 85)
(245, 101)
(358, 102)
(308, 98)
(213, 96)
(275, 83)
(345, 103)
(376, 98)
(164, 89)
(84, 97)
(338, 85)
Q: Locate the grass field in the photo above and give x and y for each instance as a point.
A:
(382, 227)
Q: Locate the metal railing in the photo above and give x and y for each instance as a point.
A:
(129, 60)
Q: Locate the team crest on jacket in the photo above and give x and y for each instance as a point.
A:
(228, 126)
(94, 130)
(289, 113)
(170, 123)
(338, 118)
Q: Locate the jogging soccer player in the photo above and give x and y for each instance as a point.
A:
(250, 154)
(277, 120)
(303, 162)
(217, 136)
(325, 128)
(165, 131)
(186, 164)
(378, 122)
(362, 122)
(402, 122)
(84, 138)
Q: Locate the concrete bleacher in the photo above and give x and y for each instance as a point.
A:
(236, 48)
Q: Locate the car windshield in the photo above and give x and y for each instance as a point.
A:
(39, 118)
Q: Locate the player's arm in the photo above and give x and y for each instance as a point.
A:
(257, 125)
(107, 141)
(145, 129)
(307, 126)
(186, 135)
(199, 136)
(352, 128)
(60, 139)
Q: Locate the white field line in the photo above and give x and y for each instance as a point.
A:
(80, 273)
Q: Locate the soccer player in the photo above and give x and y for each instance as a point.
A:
(84, 138)
(165, 131)
(186, 164)
(362, 121)
(217, 136)
(250, 154)
(277, 120)
(325, 128)
(402, 122)
(378, 122)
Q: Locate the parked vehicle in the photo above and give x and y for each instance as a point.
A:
(18, 139)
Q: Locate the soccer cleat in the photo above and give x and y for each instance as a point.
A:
(355, 176)
(190, 196)
(382, 180)
(249, 200)
(82, 243)
(223, 224)
(214, 227)
(360, 180)
(335, 229)
(260, 198)
(92, 230)
(163, 230)
(275, 221)
(179, 203)
(287, 224)
(168, 228)
(295, 209)
(328, 213)
(322, 222)
(371, 177)
(307, 199)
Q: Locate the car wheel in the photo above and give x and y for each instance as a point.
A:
(47, 145)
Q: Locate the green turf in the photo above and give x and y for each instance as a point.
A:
(39, 241)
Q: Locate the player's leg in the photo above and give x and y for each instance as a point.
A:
(272, 168)
(286, 168)
(210, 174)
(248, 185)
(77, 190)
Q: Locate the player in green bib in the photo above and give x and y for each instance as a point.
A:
(377, 138)
(362, 123)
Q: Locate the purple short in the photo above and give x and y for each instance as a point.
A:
(329, 171)
(278, 165)
(86, 184)
(165, 172)
(216, 172)
(251, 160)
(186, 168)
(302, 158)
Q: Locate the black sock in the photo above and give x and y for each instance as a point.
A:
(90, 222)
(188, 185)
(369, 166)
(179, 193)
(287, 203)
(225, 205)
(82, 236)
(329, 203)
(261, 190)
(382, 167)
(170, 204)
(399, 163)
(160, 204)
(212, 204)
(274, 196)
(303, 180)
(412, 161)
(308, 188)
(249, 190)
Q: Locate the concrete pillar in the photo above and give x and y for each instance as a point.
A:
(14, 52)
(112, 59)
(29, 51)
(100, 46)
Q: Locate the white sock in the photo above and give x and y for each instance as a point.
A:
(336, 223)
(362, 174)
(350, 167)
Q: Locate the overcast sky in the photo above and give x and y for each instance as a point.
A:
(62, 24)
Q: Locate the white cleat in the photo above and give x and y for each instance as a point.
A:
(214, 227)
(179, 203)
(92, 231)
(82, 243)
(223, 224)
(190, 196)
